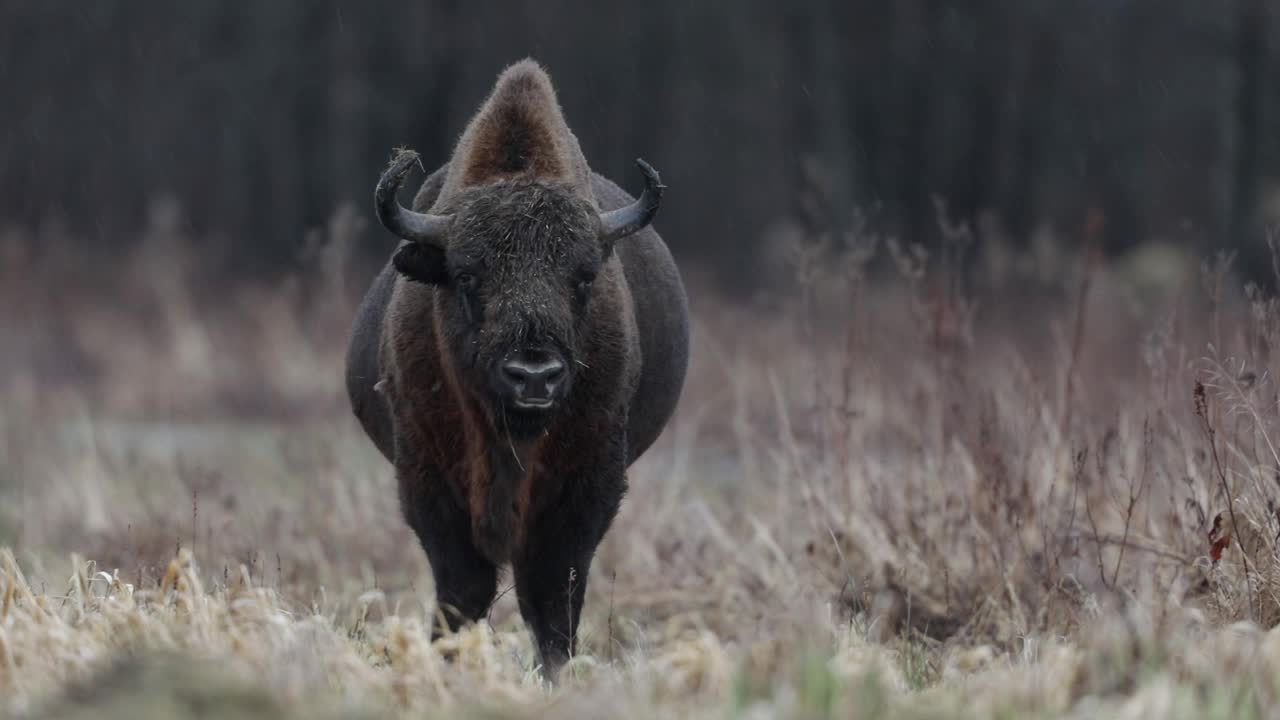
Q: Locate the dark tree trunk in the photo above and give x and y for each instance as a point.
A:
(798, 85)
(971, 189)
(1250, 63)
(916, 168)
(1036, 106)
(434, 99)
(868, 24)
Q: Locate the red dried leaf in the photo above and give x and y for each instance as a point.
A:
(1222, 543)
(1219, 546)
(1218, 540)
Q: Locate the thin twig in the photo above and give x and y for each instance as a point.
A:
(613, 580)
(1131, 544)
(1133, 496)
(1201, 409)
(1088, 512)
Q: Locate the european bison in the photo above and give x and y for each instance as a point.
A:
(527, 341)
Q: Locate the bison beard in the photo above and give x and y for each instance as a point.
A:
(514, 248)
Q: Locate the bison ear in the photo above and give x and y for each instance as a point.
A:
(421, 263)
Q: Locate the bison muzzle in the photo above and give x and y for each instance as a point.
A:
(526, 342)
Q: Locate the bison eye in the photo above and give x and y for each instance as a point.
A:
(582, 288)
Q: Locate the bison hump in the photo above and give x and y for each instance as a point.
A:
(519, 131)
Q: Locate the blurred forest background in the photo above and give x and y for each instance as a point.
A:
(262, 120)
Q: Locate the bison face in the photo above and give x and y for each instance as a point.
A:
(513, 263)
(515, 281)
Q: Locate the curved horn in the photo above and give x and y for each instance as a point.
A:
(620, 223)
(405, 223)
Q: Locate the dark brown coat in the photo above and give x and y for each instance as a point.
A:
(515, 274)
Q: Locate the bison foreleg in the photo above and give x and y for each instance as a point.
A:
(466, 582)
(551, 575)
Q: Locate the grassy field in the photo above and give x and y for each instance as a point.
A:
(1047, 491)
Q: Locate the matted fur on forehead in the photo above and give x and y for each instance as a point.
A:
(526, 220)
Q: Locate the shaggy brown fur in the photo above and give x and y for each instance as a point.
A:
(524, 269)
(518, 131)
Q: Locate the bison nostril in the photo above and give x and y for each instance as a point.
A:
(554, 372)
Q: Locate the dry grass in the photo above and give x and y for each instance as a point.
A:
(1048, 490)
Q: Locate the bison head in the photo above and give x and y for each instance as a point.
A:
(514, 262)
